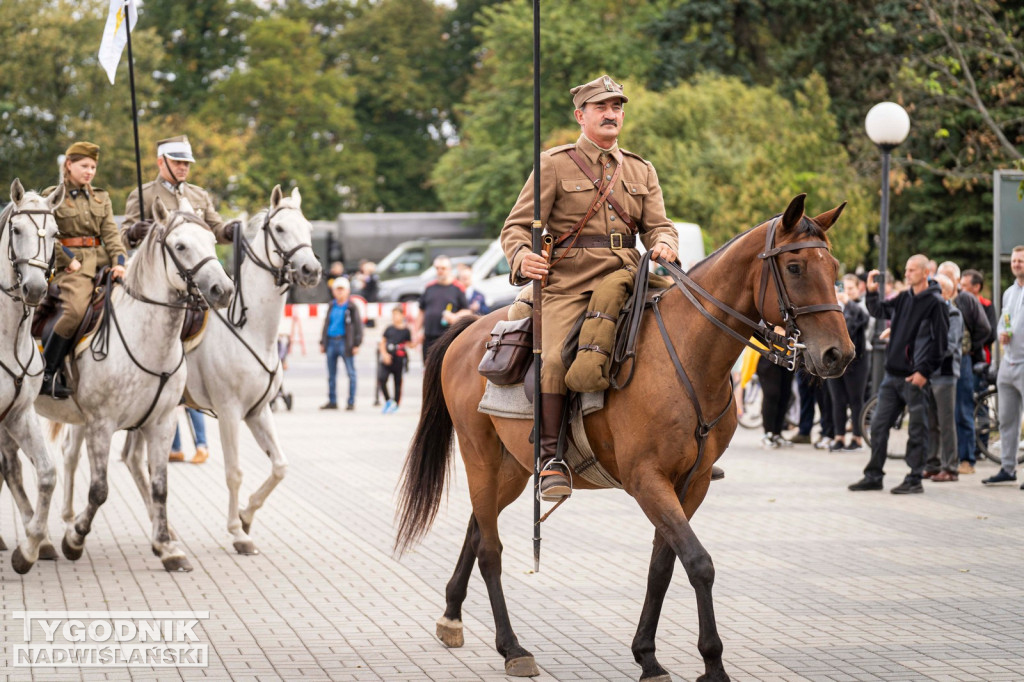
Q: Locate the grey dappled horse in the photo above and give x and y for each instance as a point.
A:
(27, 233)
(235, 370)
(133, 373)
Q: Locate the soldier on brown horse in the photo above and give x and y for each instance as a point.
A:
(658, 436)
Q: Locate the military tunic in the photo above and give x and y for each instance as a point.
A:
(89, 213)
(566, 195)
(197, 197)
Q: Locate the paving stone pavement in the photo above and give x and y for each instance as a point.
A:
(813, 582)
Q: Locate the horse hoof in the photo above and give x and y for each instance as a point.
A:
(47, 552)
(248, 547)
(714, 677)
(524, 666)
(658, 678)
(20, 564)
(177, 564)
(450, 633)
(3, 545)
(70, 552)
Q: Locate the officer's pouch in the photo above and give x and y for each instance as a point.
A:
(508, 352)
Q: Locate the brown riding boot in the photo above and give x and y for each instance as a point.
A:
(554, 479)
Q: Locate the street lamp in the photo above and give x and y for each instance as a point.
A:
(887, 125)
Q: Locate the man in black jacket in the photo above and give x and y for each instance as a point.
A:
(917, 346)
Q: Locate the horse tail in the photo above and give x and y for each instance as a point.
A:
(429, 461)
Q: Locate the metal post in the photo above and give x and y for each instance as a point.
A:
(536, 231)
(878, 345)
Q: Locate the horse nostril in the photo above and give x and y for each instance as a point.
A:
(217, 291)
(832, 357)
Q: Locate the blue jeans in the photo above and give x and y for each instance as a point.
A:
(965, 413)
(335, 350)
(198, 425)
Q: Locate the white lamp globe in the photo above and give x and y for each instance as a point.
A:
(887, 124)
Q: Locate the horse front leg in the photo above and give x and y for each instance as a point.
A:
(659, 502)
(26, 431)
(158, 437)
(659, 576)
(449, 626)
(134, 454)
(262, 427)
(229, 423)
(72, 451)
(97, 438)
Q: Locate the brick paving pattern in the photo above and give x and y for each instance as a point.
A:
(813, 582)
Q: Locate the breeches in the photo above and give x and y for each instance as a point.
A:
(75, 292)
(559, 313)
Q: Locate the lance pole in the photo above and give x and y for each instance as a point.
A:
(135, 109)
(536, 231)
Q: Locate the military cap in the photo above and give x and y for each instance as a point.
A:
(597, 90)
(176, 148)
(84, 149)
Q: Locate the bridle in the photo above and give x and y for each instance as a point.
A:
(283, 274)
(37, 260)
(18, 376)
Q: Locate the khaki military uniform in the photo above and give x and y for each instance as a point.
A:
(566, 195)
(88, 214)
(198, 198)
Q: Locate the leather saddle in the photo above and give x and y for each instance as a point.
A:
(49, 311)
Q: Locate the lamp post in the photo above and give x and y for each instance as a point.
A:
(888, 125)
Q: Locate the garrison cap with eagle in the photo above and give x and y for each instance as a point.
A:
(84, 149)
(597, 90)
(176, 148)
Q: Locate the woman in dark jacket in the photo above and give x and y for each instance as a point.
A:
(848, 390)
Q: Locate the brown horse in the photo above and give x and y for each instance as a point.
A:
(786, 260)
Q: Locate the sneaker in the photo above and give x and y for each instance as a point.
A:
(966, 467)
(768, 442)
(394, 407)
(781, 442)
(329, 406)
(1000, 477)
(837, 446)
(350, 407)
(802, 438)
(389, 407)
(825, 444)
(176, 456)
(202, 454)
(853, 446)
(908, 487)
(865, 484)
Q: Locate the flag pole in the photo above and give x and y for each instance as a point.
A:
(135, 110)
(536, 231)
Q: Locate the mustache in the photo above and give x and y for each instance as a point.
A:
(609, 121)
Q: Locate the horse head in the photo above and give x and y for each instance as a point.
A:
(799, 272)
(288, 237)
(30, 231)
(190, 255)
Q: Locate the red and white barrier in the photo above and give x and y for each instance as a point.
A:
(307, 319)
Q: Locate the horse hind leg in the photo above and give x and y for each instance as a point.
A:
(158, 438)
(449, 626)
(262, 427)
(659, 502)
(659, 576)
(72, 452)
(98, 445)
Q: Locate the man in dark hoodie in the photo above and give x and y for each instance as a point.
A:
(917, 346)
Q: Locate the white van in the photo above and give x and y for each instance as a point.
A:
(490, 270)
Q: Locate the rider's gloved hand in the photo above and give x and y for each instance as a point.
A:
(137, 232)
(230, 227)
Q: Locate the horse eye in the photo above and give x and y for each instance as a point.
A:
(15, 231)
(179, 247)
(793, 268)
(279, 229)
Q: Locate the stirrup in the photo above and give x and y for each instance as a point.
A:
(53, 388)
(555, 481)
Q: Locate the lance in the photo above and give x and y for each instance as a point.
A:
(135, 109)
(536, 233)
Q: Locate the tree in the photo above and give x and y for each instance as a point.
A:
(300, 116)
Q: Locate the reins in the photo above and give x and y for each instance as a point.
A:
(783, 350)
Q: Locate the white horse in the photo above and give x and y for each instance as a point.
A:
(234, 372)
(27, 233)
(133, 373)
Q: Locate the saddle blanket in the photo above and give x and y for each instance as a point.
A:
(511, 402)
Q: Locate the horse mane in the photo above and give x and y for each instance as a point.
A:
(806, 228)
(255, 222)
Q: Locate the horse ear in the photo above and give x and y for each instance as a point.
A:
(56, 196)
(275, 196)
(160, 210)
(296, 197)
(829, 218)
(17, 191)
(794, 212)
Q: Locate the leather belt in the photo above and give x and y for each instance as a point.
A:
(614, 241)
(81, 241)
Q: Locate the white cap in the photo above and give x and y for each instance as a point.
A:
(178, 149)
